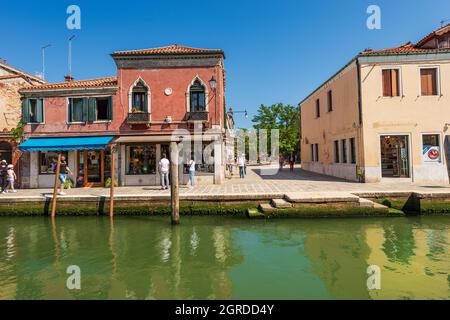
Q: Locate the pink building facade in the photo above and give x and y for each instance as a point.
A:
(159, 95)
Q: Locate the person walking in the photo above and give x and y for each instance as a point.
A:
(241, 164)
(231, 164)
(192, 172)
(3, 175)
(291, 161)
(64, 171)
(281, 161)
(10, 179)
(163, 168)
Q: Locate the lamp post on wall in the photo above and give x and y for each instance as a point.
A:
(213, 85)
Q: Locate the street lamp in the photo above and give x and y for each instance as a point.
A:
(213, 83)
(243, 111)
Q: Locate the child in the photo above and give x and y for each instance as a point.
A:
(10, 178)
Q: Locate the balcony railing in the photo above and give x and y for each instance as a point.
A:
(138, 118)
(201, 116)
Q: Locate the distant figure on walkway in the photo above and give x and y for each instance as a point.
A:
(241, 164)
(231, 164)
(281, 161)
(64, 171)
(3, 175)
(291, 161)
(163, 169)
(192, 172)
(10, 179)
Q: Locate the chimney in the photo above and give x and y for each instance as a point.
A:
(4, 61)
(68, 78)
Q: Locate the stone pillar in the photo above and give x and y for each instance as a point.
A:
(219, 168)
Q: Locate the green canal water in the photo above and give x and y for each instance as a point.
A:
(224, 258)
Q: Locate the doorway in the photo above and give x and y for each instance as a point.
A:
(395, 156)
(93, 167)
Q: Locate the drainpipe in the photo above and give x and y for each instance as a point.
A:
(360, 162)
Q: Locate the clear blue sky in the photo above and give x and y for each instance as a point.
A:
(276, 51)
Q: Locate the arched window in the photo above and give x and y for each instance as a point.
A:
(139, 98)
(197, 97)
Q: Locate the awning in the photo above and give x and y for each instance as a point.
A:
(68, 143)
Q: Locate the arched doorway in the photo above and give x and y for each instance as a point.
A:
(5, 151)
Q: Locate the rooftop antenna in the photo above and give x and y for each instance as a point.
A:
(70, 55)
(43, 60)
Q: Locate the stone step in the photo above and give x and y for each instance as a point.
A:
(281, 204)
(267, 208)
(321, 197)
(365, 203)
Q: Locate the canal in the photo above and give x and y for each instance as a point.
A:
(224, 258)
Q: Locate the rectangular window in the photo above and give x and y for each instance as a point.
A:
(316, 152)
(317, 108)
(312, 153)
(352, 150)
(330, 101)
(76, 109)
(344, 150)
(391, 83)
(142, 159)
(48, 161)
(431, 148)
(429, 82)
(336, 152)
(139, 102)
(33, 110)
(100, 109)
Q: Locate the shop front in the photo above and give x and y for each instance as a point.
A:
(89, 158)
(395, 156)
(139, 158)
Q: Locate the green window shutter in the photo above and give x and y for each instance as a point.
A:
(85, 110)
(70, 110)
(110, 107)
(25, 110)
(92, 103)
(39, 110)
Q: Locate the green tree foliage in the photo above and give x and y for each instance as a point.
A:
(286, 119)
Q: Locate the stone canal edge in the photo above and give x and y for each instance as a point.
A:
(251, 205)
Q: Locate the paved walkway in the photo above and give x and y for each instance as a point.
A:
(258, 182)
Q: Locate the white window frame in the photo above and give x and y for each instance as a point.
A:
(130, 95)
(438, 79)
(188, 94)
(400, 81)
(441, 146)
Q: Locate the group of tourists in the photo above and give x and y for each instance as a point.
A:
(291, 160)
(241, 164)
(164, 169)
(7, 177)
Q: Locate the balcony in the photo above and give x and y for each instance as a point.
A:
(199, 116)
(138, 118)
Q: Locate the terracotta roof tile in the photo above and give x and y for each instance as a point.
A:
(80, 84)
(174, 49)
(411, 48)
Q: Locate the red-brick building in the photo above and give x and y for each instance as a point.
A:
(159, 95)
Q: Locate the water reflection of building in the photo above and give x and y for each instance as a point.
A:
(338, 258)
(414, 261)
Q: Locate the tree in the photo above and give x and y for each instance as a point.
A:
(286, 119)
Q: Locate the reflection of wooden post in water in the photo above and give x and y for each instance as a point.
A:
(55, 188)
(174, 187)
(111, 192)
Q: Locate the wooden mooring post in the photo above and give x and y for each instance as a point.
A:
(174, 186)
(111, 190)
(55, 188)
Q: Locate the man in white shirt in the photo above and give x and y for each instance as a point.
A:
(192, 171)
(241, 164)
(163, 168)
